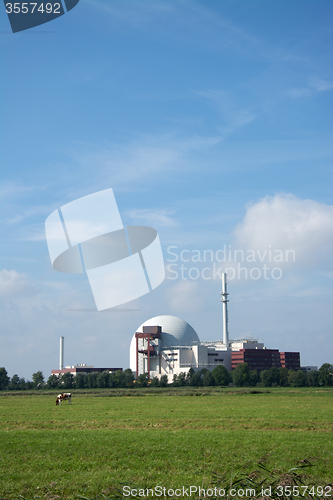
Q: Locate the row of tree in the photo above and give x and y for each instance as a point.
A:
(241, 376)
(18, 384)
(67, 380)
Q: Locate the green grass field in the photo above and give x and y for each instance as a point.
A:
(172, 438)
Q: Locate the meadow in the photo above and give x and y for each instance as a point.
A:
(108, 439)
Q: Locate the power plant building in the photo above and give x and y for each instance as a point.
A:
(166, 345)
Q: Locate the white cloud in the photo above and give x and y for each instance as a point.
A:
(28, 213)
(315, 85)
(235, 117)
(154, 217)
(286, 222)
(141, 161)
(14, 284)
(297, 92)
(131, 163)
(321, 85)
(9, 189)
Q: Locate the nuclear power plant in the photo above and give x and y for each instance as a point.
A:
(167, 345)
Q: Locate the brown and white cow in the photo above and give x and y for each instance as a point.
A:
(64, 397)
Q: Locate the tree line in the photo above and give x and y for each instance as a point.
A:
(241, 376)
(67, 380)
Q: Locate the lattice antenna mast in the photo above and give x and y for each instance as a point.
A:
(225, 301)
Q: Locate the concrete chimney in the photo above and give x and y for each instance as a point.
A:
(61, 359)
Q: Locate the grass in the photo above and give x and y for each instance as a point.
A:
(166, 437)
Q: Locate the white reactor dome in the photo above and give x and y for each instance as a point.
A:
(175, 333)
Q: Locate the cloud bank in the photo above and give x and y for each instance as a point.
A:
(286, 222)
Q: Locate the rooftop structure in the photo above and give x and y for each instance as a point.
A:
(74, 370)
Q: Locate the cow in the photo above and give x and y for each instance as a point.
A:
(63, 397)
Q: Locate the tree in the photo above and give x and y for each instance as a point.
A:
(312, 378)
(182, 378)
(296, 378)
(264, 378)
(23, 384)
(221, 375)
(142, 380)
(291, 377)
(38, 380)
(52, 382)
(66, 381)
(283, 377)
(14, 384)
(80, 380)
(300, 379)
(241, 375)
(254, 378)
(179, 380)
(326, 374)
(189, 376)
(155, 382)
(194, 378)
(270, 377)
(103, 379)
(129, 377)
(4, 379)
(92, 380)
(120, 378)
(163, 381)
(208, 378)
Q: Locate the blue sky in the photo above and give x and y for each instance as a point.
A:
(211, 121)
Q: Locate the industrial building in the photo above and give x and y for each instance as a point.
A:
(263, 359)
(166, 345)
(82, 368)
(290, 360)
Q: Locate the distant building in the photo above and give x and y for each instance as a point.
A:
(248, 343)
(307, 369)
(290, 360)
(82, 369)
(264, 359)
(257, 359)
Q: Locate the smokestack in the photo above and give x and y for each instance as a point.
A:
(61, 359)
(224, 301)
